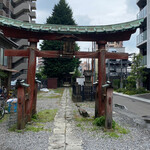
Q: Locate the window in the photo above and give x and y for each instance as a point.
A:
(1, 5)
(3, 59)
(1, 56)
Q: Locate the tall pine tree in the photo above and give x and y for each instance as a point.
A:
(59, 67)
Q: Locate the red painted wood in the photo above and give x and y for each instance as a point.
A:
(12, 52)
(35, 99)
(57, 54)
(116, 55)
(110, 37)
(31, 81)
(101, 81)
(21, 108)
(108, 112)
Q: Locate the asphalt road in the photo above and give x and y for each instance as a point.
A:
(137, 107)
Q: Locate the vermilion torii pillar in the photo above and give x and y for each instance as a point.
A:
(31, 77)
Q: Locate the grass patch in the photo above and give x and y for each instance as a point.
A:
(34, 129)
(45, 115)
(101, 122)
(81, 119)
(70, 92)
(112, 134)
(4, 118)
(98, 124)
(45, 95)
(59, 90)
(121, 130)
(132, 91)
(116, 130)
(38, 121)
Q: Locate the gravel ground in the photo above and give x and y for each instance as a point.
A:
(29, 140)
(138, 137)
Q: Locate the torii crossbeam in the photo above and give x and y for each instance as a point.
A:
(100, 34)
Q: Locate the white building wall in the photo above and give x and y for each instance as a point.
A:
(148, 33)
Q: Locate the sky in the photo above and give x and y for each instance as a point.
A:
(95, 12)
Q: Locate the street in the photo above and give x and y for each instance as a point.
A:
(140, 108)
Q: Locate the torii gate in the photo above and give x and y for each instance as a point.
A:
(35, 32)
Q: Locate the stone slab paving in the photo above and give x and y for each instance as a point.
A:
(63, 138)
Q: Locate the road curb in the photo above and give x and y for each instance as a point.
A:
(133, 97)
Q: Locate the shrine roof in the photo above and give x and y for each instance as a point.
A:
(69, 29)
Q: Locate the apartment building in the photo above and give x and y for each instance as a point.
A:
(5, 62)
(23, 10)
(143, 39)
(116, 68)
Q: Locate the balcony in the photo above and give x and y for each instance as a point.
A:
(33, 6)
(33, 14)
(142, 13)
(144, 61)
(141, 38)
(3, 13)
(24, 7)
(4, 2)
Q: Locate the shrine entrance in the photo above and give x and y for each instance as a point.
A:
(69, 34)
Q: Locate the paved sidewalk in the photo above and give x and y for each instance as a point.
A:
(63, 138)
(134, 97)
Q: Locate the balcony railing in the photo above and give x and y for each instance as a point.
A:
(142, 13)
(142, 37)
(144, 61)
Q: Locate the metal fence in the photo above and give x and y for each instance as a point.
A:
(86, 92)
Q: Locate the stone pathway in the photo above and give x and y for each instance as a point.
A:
(63, 138)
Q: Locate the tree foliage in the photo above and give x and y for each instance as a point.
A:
(138, 73)
(57, 67)
(3, 74)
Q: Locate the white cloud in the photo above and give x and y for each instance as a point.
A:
(42, 16)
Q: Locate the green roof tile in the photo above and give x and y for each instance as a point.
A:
(51, 28)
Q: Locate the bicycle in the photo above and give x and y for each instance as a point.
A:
(2, 105)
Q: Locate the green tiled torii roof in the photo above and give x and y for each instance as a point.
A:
(69, 29)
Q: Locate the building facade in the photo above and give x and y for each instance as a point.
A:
(23, 10)
(143, 39)
(116, 69)
(5, 62)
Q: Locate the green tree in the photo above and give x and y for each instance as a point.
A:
(137, 72)
(57, 67)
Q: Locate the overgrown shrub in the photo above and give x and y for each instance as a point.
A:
(133, 91)
(101, 122)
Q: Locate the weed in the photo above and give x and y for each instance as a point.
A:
(121, 130)
(101, 122)
(5, 118)
(81, 119)
(79, 125)
(33, 128)
(37, 121)
(112, 134)
(43, 95)
(46, 115)
(13, 128)
(94, 128)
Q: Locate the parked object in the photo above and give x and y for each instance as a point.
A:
(12, 104)
(44, 90)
